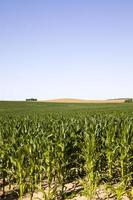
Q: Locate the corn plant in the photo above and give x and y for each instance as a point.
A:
(45, 152)
(89, 152)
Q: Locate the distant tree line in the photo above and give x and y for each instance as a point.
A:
(129, 100)
(31, 99)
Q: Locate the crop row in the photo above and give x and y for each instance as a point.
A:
(44, 153)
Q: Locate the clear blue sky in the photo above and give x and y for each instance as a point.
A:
(66, 48)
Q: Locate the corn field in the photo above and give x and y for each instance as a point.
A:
(44, 153)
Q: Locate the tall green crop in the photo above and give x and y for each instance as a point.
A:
(47, 152)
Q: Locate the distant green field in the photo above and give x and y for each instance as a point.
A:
(13, 107)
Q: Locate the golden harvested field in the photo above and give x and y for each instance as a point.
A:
(72, 100)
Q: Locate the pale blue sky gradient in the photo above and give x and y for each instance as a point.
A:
(66, 48)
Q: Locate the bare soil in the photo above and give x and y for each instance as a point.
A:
(71, 188)
(72, 100)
